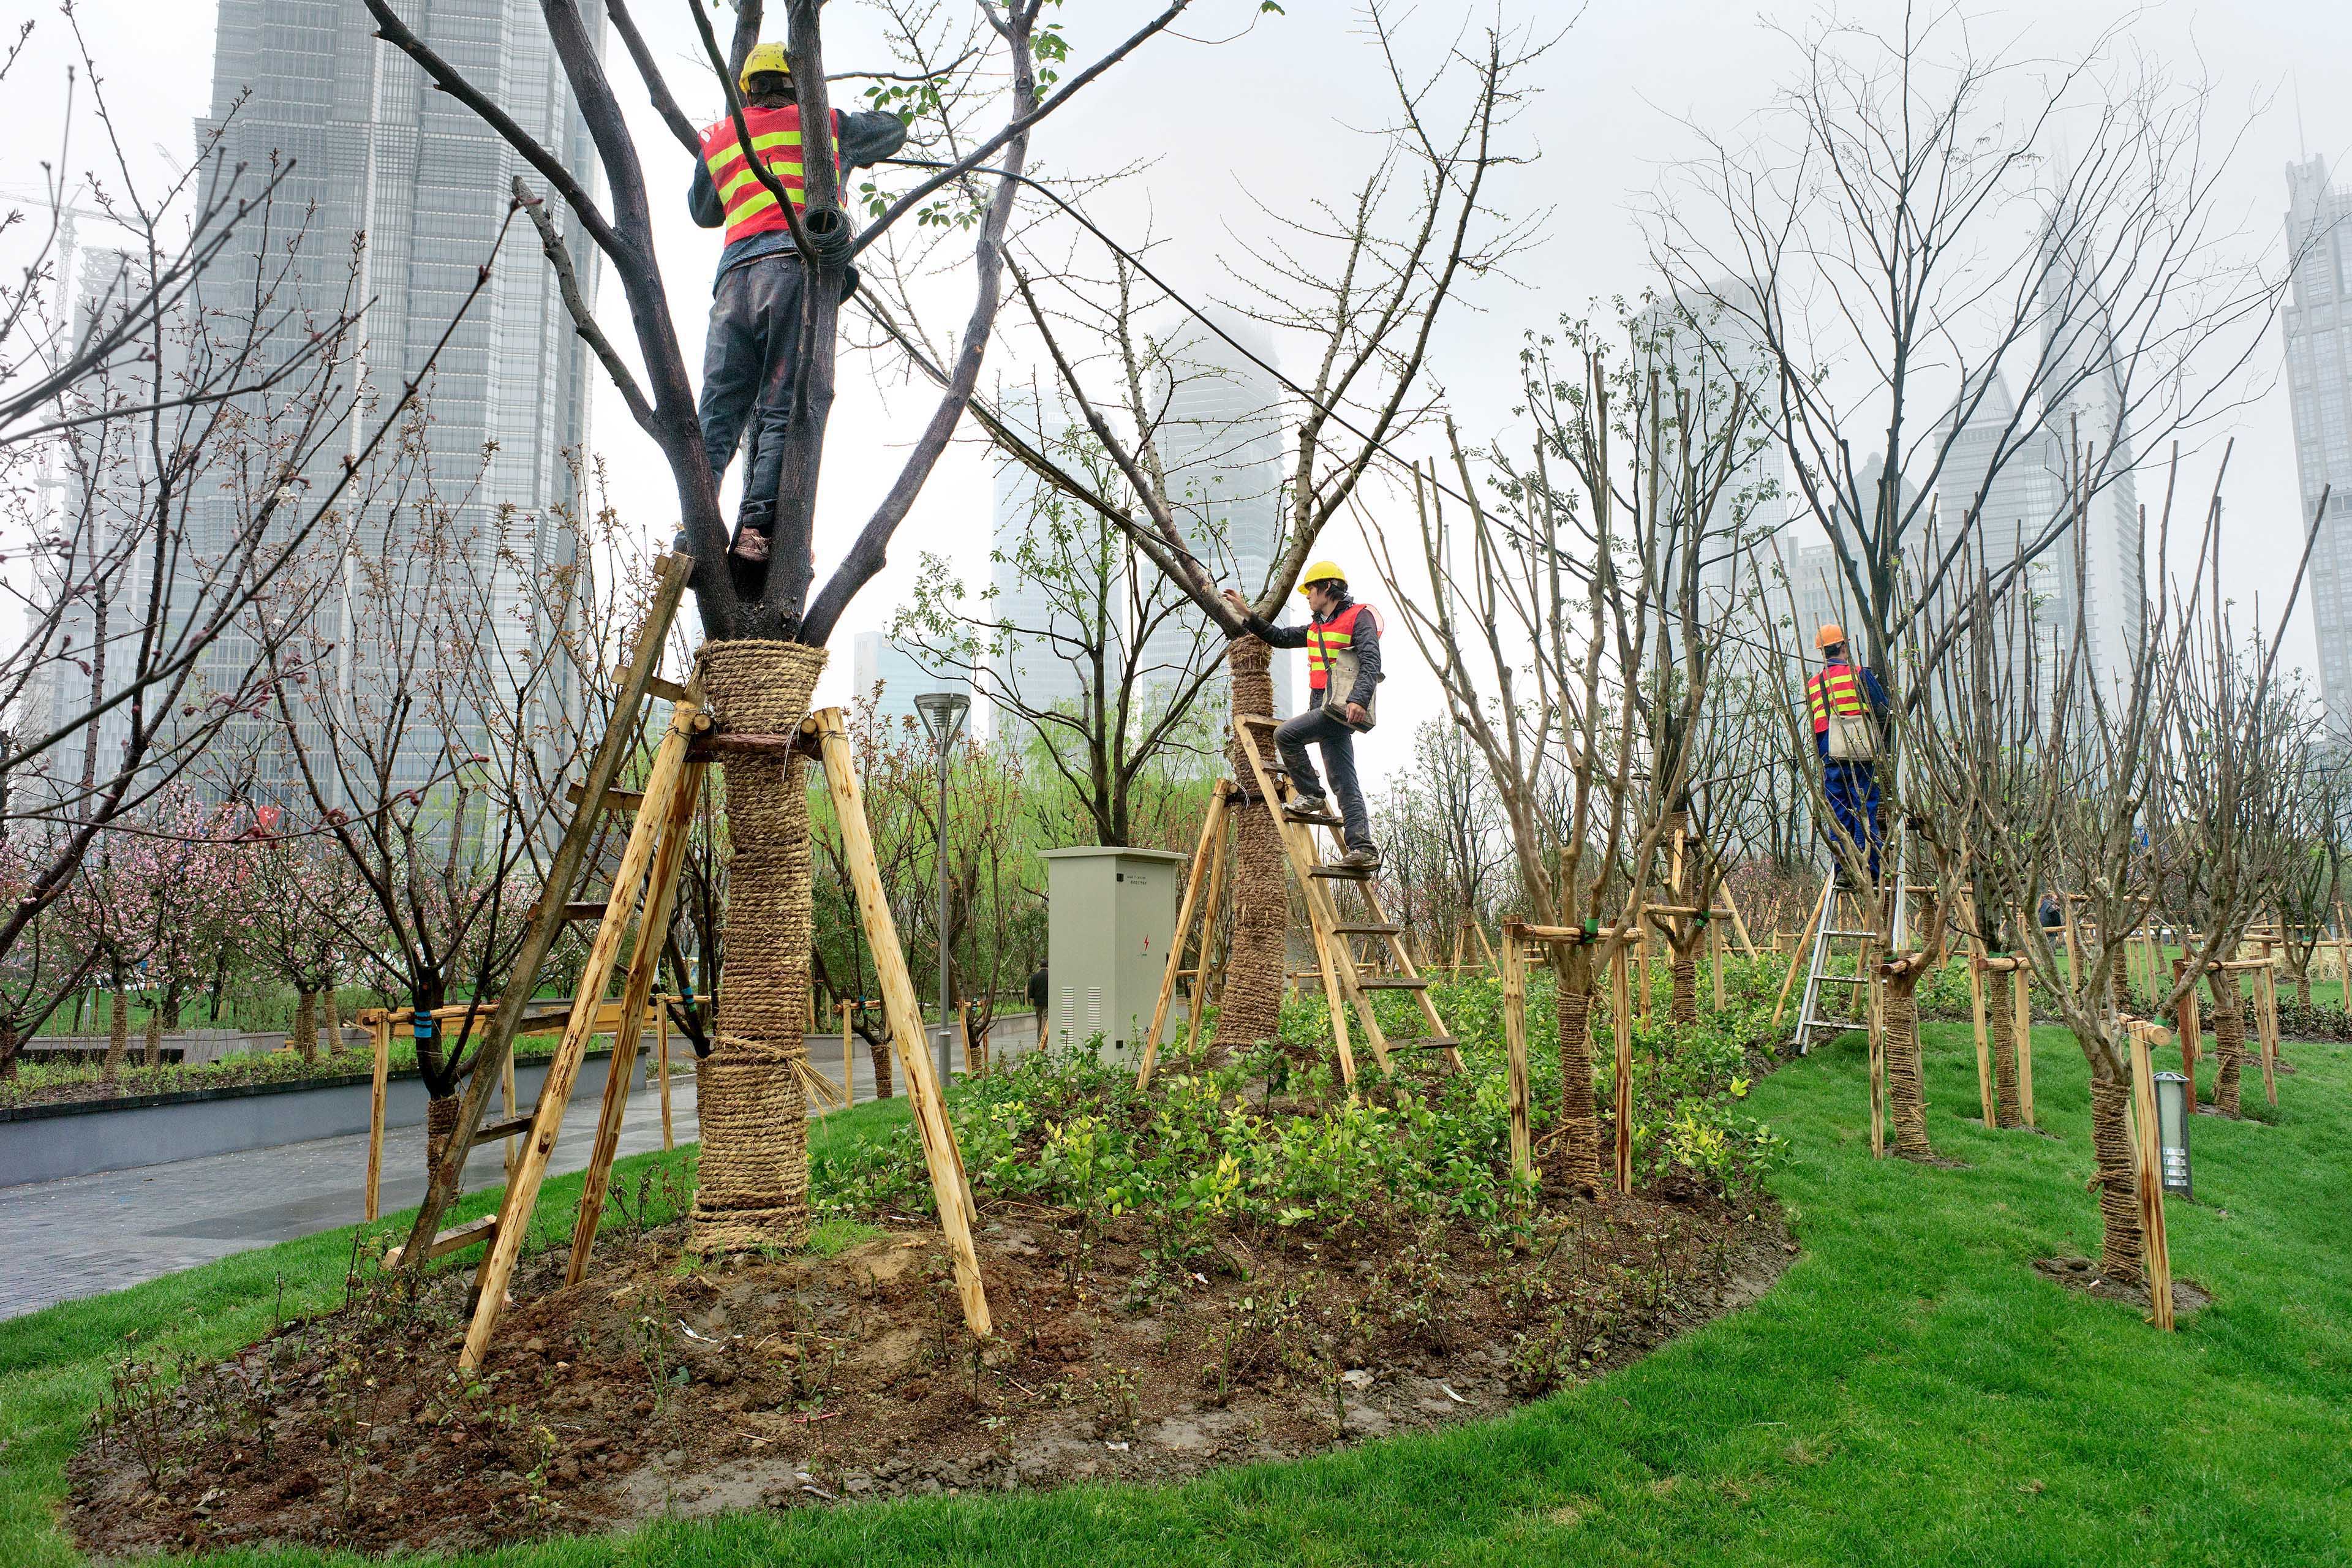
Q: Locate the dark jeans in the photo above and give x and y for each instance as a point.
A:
(747, 361)
(1338, 743)
(1852, 789)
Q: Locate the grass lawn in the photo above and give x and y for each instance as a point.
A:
(1910, 1393)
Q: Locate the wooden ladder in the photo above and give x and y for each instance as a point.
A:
(1344, 982)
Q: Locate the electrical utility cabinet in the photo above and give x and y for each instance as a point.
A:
(1110, 914)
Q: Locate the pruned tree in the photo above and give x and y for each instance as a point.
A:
(1993, 260)
(1099, 660)
(2196, 735)
(1358, 285)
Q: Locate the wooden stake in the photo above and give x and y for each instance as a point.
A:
(2022, 980)
(383, 1068)
(2148, 1174)
(507, 1110)
(1212, 840)
(942, 1157)
(662, 783)
(1514, 1038)
(1206, 969)
(1738, 921)
(1797, 956)
(637, 992)
(1715, 952)
(548, 919)
(848, 1056)
(1480, 932)
(1621, 1092)
(661, 1063)
(1877, 1053)
(1984, 1051)
(2266, 1021)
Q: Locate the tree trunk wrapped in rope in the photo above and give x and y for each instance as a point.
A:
(2119, 1242)
(1251, 1010)
(2229, 1039)
(1907, 1098)
(1684, 1007)
(440, 1120)
(2008, 1110)
(753, 1191)
(881, 1051)
(1579, 1117)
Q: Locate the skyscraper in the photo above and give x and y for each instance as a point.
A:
(2318, 324)
(376, 154)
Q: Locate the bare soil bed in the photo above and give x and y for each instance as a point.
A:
(656, 1385)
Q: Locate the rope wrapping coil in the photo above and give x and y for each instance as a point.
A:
(2229, 1039)
(1250, 1011)
(753, 1189)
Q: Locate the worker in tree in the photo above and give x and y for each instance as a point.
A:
(1849, 709)
(754, 344)
(1342, 640)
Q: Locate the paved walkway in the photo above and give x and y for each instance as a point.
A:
(86, 1235)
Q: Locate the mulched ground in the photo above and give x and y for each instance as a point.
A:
(2084, 1274)
(657, 1387)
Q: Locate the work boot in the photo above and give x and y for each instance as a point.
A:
(751, 547)
(1365, 859)
(1311, 810)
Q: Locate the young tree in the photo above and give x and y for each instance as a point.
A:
(2195, 737)
(1866, 241)
(1089, 614)
(1359, 285)
(154, 390)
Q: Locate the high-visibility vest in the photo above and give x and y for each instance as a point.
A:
(1836, 690)
(1327, 639)
(776, 138)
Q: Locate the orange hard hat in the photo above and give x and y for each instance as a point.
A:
(1829, 635)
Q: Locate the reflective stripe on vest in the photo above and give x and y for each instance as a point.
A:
(1836, 690)
(776, 138)
(1327, 638)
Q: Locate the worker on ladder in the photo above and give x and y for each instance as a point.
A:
(753, 346)
(1849, 708)
(1342, 640)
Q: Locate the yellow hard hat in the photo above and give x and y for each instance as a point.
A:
(764, 57)
(1321, 572)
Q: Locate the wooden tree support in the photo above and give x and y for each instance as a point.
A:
(664, 782)
(548, 919)
(1621, 1090)
(1515, 1039)
(2149, 1170)
(951, 1189)
(1345, 986)
(1984, 1053)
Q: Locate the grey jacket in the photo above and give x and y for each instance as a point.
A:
(867, 136)
(1364, 642)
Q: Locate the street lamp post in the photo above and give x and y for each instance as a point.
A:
(943, 713)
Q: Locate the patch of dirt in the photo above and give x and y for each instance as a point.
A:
(658, 1386)
(2084, 1274)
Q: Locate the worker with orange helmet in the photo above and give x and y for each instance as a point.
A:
(1848, 708)
(1342, 641)
(753, 349)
